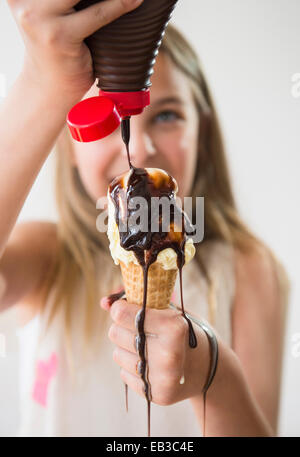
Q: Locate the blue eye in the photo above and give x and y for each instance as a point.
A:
(166, 116)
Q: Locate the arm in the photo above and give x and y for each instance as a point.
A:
(243, 399)
(30, 121)
(28, 257)
(57, 72)
(25, 248)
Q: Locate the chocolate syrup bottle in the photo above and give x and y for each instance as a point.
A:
(124, 54)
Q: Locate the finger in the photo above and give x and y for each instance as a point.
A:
(133, 365)
(89, 20)
(56, 6)
(130, 362)
(37, 7)
(64, 5)
(129, 340)
(59, 6)
(106, 302)
(124, 314)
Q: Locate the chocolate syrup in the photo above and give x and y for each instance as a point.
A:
(146, 245)
(126, 397)
(114, 297)
(125, 129)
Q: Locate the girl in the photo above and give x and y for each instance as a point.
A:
(73, 356)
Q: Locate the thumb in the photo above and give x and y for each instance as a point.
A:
(91, 19)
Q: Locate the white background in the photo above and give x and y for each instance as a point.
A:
(250, 52)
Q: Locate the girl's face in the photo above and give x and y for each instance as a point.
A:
(164, 136)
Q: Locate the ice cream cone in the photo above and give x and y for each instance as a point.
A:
(160, 284)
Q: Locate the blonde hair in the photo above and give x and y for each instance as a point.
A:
(79, 240)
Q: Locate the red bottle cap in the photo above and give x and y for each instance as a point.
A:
(93, 118)
(97, 117)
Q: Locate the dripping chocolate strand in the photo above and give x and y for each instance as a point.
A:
(142, 345)
(125, 129)
(180, 263)
(192, 335)
(149, 390)
(125, 126)
(126, 396)
(146, 244)
(114, 297)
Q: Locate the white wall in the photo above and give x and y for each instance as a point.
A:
(249, 52)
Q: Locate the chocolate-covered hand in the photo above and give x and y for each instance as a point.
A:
(169, 356)
(53, 34)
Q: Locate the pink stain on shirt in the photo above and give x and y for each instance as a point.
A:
(45, 371)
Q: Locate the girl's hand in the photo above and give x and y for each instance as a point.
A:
(53, 32)
(169, 355)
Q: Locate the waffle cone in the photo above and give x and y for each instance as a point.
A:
(160, 285)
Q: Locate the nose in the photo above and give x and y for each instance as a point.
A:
(141, 145)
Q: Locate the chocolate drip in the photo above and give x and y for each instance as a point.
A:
(142, 347)
(192, 335)
(146, 244)
(114, 297)
(125, 128)
(126, 397)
